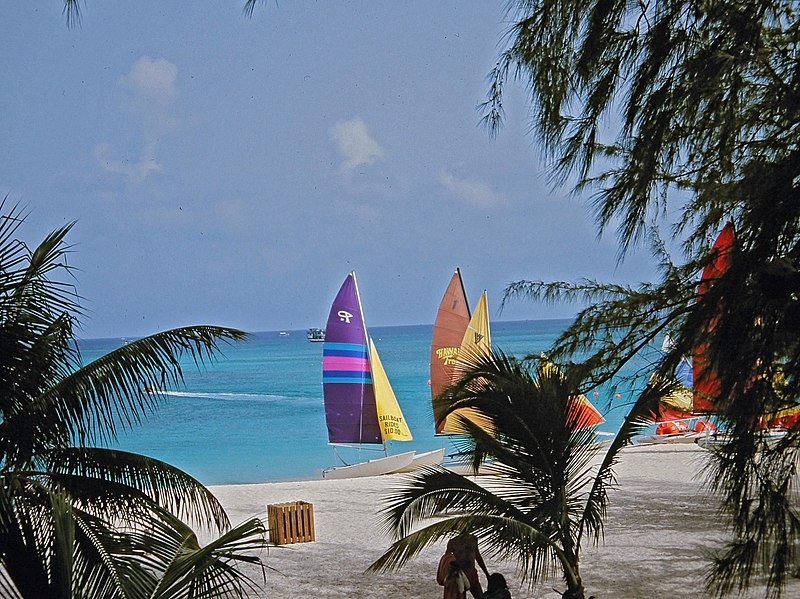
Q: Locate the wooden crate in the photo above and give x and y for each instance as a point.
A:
(291, 522)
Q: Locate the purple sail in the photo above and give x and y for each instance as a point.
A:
(350, 411)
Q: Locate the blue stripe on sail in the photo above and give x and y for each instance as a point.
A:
(354, 350)
(357, 381)
(361, 375)
(344, 354)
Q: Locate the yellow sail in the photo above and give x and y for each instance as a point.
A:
(390, 418)
(476, 343)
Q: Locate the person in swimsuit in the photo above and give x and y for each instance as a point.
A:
(465, 549)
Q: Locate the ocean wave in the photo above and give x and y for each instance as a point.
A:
(251, 397)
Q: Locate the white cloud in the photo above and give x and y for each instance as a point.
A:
(473, 192)
(136, 171)
(151, 85)
(152, 80)
(355, 145)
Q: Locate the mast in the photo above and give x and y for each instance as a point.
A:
(463, 291)
(369, 359)
(366, 337)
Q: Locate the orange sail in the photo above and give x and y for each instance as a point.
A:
(584, 414)
(706, 383)
(581, 411)
(448, 331)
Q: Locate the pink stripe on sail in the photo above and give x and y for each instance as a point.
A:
(345, 363)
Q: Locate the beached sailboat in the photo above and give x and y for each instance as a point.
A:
(706, 382)
(698, 384)
(450, 329)
(457, 334)
(675, 411)
(360, 406)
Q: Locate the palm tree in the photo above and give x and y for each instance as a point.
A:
(547, 487)
(83, 521)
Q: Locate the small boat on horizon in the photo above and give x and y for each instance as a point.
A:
(315, 335)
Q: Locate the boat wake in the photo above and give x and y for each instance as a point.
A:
(251, 397)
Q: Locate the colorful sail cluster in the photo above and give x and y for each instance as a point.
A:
(459, 337)
(698, 384)
(360, 406)
(456, 333)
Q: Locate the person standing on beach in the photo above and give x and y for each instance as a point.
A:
(450, 575)
(465, 549)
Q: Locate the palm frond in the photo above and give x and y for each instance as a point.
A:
(90, 403)
(62, 544)
(72, 12)
(637, 419)
(86, 471)
(534, 550)
(435, 491)
(209, 571)
(250, 6)
(22, 534)
(30, 292)
(81, 521)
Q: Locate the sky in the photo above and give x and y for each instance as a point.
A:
(232, 171)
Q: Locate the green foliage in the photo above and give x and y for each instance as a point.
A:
(547, 483)
(704, 90)
(82, 521)
(708, 98)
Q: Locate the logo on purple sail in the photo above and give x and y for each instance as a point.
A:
(345, 316)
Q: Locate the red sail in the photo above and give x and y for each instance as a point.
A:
(706, 383)
(448, 331)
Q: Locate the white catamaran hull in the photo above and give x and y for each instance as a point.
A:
(685, 437)
(375, 467)
(429, 458)
(770, 436)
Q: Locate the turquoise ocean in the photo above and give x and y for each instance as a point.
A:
(256, 414)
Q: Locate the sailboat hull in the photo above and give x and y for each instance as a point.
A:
(686, 437)
(375, 467)
(429, 458)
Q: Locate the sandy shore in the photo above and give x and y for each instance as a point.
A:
(659, 530)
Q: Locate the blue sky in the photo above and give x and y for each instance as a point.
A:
(231, 171)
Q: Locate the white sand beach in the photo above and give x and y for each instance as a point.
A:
(660, 528)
